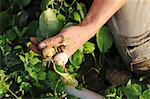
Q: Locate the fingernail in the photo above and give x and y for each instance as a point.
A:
(42, 45)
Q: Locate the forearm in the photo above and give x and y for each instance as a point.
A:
(99, 13)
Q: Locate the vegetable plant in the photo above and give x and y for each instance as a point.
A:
(25, 74)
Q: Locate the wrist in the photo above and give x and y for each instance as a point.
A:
(89, 25)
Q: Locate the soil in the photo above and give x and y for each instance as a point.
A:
(113, 72)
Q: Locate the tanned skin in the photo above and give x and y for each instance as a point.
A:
(100, 12)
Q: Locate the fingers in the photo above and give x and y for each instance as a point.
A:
(69, 50)
(53, 42)
(34, 48)
(34, 45)
(56, 41)
(34, 40)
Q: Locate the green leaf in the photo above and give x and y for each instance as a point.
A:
(5, 21)
(132, 91)
(146, 94)
(34, 61)
(36, 69)
(22, 58)
(49, 25)
(7, 49)
(32, 54)
(76, 58)
(81, 8)
(17, 47)
(3, 88)
(21, 19)
(60, 87)
(76, 16)
(34, 75)
(104, 39)
(19, 33)
(81, 49)
(25, 2)
(29, 69)
(52, 76)
(11, 35)
(45, 4)
(39, 86)
(32, 27)
(88, 47)
(2, 74)
(27, 56)
(61, 17)
(70, 68)
(51, 97)
(24, 86)
(141, 97)
(40, 36)
(1, 39)
(19, 79)
(53, 84)
(42, 75)
(129, 82)
(148, 85)
(66, 4)
(111, 92)
(68, 79)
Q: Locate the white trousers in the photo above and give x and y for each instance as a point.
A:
(131, 30)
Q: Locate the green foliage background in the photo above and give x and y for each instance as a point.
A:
(22, 73)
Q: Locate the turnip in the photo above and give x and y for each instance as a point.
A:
(52, 54)
(48, 53)
(61, 58)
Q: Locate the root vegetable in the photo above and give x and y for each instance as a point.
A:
(48, 53)
(61, 58)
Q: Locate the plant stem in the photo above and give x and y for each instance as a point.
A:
(94, 58)
(61, 4)
(11, 6)
(49, 62)
(83, 79)
(100, 59)
(55, 93)
(103, 56)
(13, 93)
(31, 94)
(73, 2)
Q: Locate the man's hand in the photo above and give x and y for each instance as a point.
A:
(69, 39)
(73, 37)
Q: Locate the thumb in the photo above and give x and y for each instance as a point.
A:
(52, 41)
